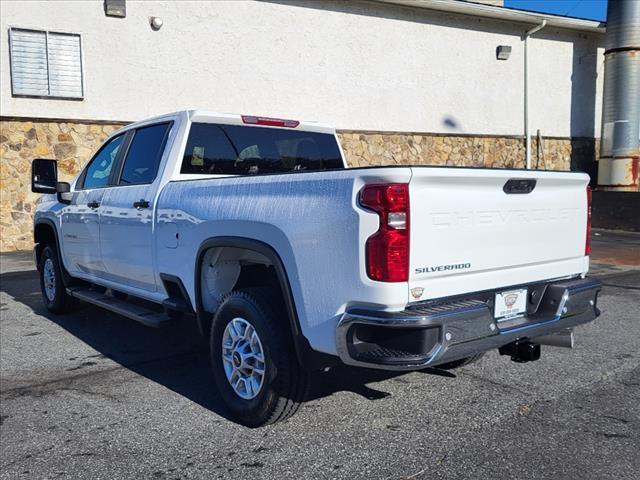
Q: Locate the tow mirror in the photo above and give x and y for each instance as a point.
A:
(44, 179)
(44, 176)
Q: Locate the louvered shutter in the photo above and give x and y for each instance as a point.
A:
(65, 65)
(46, 64)
(29, 74)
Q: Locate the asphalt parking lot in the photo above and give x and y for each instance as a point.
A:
(94, 395)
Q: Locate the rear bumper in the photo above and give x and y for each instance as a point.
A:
(437, 332)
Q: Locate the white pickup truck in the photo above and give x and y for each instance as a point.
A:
(290, 262)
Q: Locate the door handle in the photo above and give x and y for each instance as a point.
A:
(141, 204)
(93, 204)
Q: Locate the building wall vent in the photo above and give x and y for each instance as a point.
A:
(46, 64)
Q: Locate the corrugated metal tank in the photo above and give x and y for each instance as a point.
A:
(621, 107)
(621, 97)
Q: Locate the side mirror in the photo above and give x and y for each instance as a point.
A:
(44, 176)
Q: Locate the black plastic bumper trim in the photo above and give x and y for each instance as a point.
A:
(466, 326)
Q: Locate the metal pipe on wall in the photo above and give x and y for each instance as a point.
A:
(527, 134)
(620, 147)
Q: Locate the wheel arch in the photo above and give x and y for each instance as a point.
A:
(44, 232)
(308, 358)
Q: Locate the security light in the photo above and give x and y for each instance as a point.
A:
(503, 52)
(115, 8)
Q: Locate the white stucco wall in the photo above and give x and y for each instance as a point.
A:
(357, 66)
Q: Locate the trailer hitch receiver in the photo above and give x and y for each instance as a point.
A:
(521, 351)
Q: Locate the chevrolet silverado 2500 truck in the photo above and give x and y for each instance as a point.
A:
(290, 262)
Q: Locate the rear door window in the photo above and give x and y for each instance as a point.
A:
(242, 150)
(144, 154)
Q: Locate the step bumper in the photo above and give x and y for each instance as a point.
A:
(436, 332)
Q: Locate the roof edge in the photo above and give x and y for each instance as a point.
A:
(503, 13)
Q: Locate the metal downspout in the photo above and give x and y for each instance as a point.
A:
(527, 134)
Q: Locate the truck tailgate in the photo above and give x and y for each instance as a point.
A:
(468, 234)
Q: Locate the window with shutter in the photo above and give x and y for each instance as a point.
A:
(46, 64)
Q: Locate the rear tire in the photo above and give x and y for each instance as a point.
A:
(460, 363)
(251, 330)
(54, 293)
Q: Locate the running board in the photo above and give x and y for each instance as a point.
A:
(127, 309)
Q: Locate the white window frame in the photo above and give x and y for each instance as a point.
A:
(47, 32)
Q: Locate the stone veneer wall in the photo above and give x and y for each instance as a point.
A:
(364, 149)
(73, 143)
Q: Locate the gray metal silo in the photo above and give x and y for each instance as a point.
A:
(620, 148)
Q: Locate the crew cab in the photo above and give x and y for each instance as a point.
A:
(290, 262)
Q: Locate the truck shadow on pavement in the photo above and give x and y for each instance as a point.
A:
(175, 356)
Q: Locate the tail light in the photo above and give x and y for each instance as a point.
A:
(587, 245)
(387, 250)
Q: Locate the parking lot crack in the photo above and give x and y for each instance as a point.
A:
(90, 392)
(49, 387)
(495, 383)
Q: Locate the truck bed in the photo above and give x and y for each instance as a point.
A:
(466, 233)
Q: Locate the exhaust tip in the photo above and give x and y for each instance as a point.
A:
(563, 339)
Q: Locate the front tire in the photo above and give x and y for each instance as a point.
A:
(254, 365)
(54, 293)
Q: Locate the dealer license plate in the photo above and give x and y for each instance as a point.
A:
(510, 304)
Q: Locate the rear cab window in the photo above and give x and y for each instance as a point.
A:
(217, 149)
